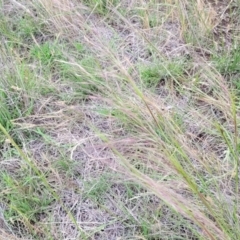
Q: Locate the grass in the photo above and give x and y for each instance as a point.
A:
(157, 73)
(119, 119)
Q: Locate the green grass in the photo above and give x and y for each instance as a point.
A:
(102, 6)
(25, 196)
(119, 119)
(153, 75)
(17, 101)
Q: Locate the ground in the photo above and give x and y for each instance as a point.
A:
(119, 119)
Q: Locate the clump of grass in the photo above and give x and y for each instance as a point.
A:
(228, 62)
(153, 75)
(16, 99)
(25, 197)
(44, 53)
(102, 6)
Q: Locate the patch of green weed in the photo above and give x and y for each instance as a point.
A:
(152, 75)
(20, 28)
(10, 109)
(15, 95)
(26, 27)
(6, 30)
(79, 47)
(65, 166)
(95, 189)
(5, 114)
(101, 6)
(84, 76)
(228, 62)
(25, 197)
(46, 53)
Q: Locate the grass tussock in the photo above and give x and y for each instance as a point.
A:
(119, 119)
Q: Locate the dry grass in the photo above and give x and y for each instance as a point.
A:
(119, 119)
